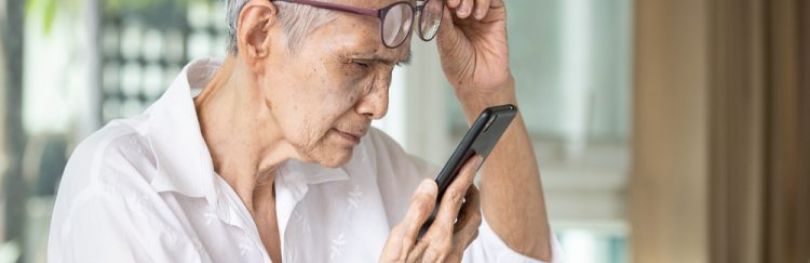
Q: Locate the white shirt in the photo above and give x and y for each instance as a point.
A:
(144, 189)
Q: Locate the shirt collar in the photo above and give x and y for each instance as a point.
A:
(308, 173)
(184, 162)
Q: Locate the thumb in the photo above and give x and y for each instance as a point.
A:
(448, 37)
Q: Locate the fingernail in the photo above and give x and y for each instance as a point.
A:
(464, 10)
(424, 186)
(478, 162)
(479, 14)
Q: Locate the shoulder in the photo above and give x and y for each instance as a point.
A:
(104, 199)
(119, 148)
(118, 158)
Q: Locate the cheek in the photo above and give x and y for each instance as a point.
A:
(335, 96)
(315, 97)
(307, 113)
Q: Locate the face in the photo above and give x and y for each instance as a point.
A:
(325, 94)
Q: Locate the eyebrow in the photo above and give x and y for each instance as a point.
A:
(377, 58)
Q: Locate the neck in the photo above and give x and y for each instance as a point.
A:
(244, 140)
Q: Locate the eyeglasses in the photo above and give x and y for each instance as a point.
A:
(396, 20)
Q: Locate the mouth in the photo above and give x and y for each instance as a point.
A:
(350, 137)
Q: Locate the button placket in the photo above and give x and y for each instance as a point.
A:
(231, 211)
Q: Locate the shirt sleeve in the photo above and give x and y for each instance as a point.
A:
(488, 247)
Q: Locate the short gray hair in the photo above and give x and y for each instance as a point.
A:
(298, 20)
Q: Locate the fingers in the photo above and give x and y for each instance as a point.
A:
(400, 244)
(481, 9)
(450, 248)
(453, 3)
(447, 29)
(416, 254)
(468, 223)
(422, 204)
(441, 232)
(469, 218)
(438, 250)
(442, 242)
(454, 195)
(472, 8)
(465, 9)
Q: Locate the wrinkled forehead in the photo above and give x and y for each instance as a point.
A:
(360, 35)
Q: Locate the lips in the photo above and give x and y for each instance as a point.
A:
(352, 137)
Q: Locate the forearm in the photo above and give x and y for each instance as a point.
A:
(511, 191)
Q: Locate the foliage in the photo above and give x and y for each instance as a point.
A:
(47, 10)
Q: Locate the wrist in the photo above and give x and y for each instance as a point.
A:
(473, 100)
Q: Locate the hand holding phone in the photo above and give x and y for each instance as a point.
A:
(479, 140)
(455, 228)
(455, 219)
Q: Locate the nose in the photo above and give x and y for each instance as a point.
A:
(374, 104)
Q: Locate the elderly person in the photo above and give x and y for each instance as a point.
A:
(269, 156)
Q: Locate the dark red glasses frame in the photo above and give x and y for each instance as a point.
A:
(378, 13)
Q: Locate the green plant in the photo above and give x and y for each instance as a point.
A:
(47, 9)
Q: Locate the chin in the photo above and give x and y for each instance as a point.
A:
(335, 158)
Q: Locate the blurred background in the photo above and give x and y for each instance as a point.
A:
(666, 130)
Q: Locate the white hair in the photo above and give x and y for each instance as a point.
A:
(297, 20)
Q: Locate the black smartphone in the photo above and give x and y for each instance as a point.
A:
(480, 139)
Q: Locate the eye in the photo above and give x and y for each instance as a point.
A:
(361, 64)
(359, 67)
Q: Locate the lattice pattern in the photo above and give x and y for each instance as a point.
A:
(144, 50)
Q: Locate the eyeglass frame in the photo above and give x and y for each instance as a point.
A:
(379, 14)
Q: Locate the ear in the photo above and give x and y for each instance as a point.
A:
(257, 22)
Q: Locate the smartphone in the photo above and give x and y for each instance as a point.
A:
(480, 139)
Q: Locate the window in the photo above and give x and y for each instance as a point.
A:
(571, 60)
(572, 63)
